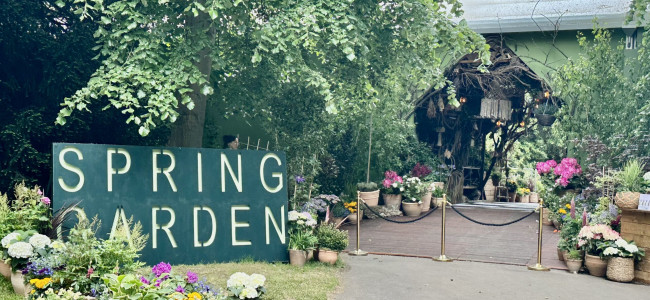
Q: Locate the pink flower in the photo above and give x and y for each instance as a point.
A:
(40, 193)
(551, 163)
(543, 168)
(46, 200)
(90, 272)
(573, 208)
(386, 183)
(399, 179)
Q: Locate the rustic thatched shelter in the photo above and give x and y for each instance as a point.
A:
(492, 106)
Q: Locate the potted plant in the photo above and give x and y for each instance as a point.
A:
(621, 254)
(339, 213)
(20, 248)
(545, 114)
(369, 192)
(511, 184)
(496, 177)
(574, 261)
(437, 195)
(631, 184)
(524, 194)
(412, 195)
(392, 188)
(351, 206)
(301, 237)
(590, 239)
(5, 228)
(569, 234)
(331, 241)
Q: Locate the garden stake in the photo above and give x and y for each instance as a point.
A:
(443, 257)
(358, 252)
(538, 266)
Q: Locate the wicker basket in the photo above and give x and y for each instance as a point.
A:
(545, 120)
(620, 269)
(627, 200)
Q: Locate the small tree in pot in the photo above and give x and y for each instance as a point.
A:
(369, 192)
(331, 241)
(631, 184)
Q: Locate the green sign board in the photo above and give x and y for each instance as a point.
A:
(197, 205)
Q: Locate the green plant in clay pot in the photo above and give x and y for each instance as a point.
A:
(630, 185)
(331, 241)
(369, 192)
(574, 261)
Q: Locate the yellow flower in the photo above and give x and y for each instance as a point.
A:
(194, 296)
(562, 211)
(568, 206)
(40, 283)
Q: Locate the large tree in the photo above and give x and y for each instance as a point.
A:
(161, 60)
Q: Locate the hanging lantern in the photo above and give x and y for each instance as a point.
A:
(463, 99)
(547, 94)
(522, 124)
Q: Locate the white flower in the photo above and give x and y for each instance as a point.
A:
(401, 189)
(40, 241)
(631, 248)
(6, 241)
(237, 279)
(621, 243)
(293, 215)
(394, 184)
(256, 280)
(311, 222)
(610, 251)
(20, 250)
(300, 222)
(56, 244)
(249, 293)
(646, 176)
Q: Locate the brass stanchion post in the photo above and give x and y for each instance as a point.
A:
(538, 266)
(443, 257)
(358, 252)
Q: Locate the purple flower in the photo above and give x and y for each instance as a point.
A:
(191, 277)
(299, 179)
(46, 200)
(161, 268)
(180, 289)
(144, 280)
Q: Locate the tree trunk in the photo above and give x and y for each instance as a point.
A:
(188, 128)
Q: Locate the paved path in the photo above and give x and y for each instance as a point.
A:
(514, 244)
(393, 277)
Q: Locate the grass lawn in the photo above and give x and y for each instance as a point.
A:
(283, 281)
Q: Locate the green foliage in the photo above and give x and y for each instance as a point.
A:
(84, 251)
(605, 97)
(331, 238)
(28, 212)
(367, 186)
(575, 254)
(631, 177)
(569, 233)
(437, 192)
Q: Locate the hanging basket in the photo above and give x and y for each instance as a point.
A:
(545, 120)
(627, 200)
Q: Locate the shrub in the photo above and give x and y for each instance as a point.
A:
(367, 186)
(331, 238)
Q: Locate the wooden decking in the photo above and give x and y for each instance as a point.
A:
(513, 244)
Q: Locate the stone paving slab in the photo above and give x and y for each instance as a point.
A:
(514, 244)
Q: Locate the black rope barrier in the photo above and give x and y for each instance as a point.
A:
(491, 224)
(400, 222)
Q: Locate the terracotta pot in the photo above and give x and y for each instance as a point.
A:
(411, 209)
(574, 265)
(560, 254)
(310, 254)
(557, 224)
(297, 257)
(18, 282)
(620, 269)
(534, 197)
(437, 202)
(438, 184)
(596, 266)
(545, 217)
(371, 198)
(627, 200)
(512, 197)
(525, 198)
(328, 256)
(426, 202)
(392, 200)
(353, 217)
(5, 269)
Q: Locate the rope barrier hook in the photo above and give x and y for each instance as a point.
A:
(358, 252)
(538, 266)
(443, 257)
